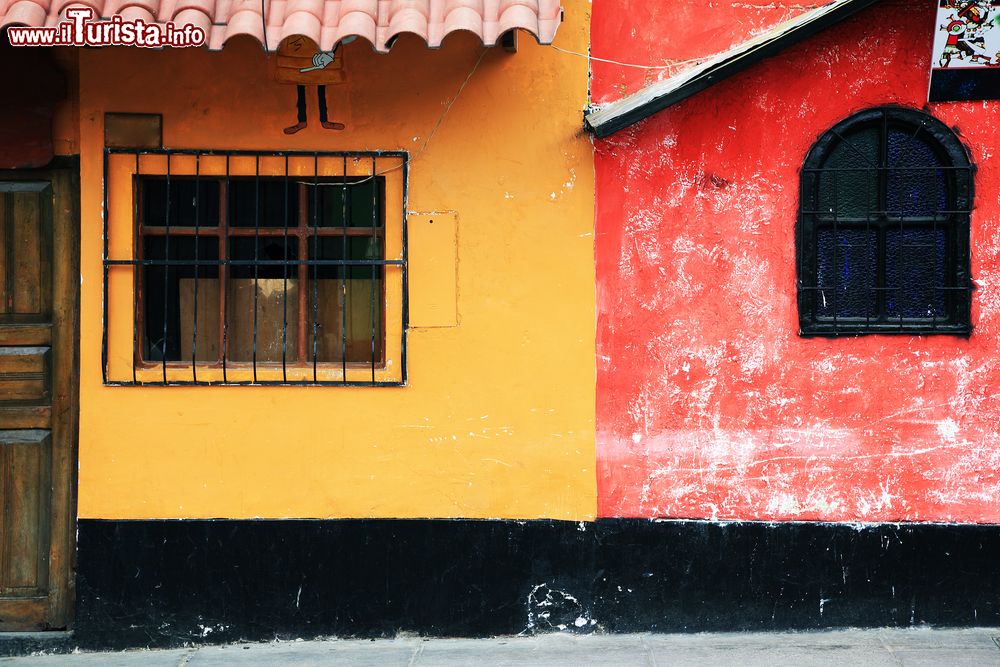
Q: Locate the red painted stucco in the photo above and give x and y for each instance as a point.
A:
(709, 404)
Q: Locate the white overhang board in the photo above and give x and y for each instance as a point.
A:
(609, 118)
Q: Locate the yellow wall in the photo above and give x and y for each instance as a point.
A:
(497, 418)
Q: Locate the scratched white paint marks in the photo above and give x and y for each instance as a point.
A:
(710, 405)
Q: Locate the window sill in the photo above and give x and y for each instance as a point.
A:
(847, 329)
(269, 373)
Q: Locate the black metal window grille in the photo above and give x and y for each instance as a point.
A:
(280, 272)
(883, 228)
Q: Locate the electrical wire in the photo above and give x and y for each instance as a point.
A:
(451, 104)
(434, 129)
(472, 72)
(679, 63)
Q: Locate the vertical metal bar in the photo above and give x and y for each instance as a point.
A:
(406, 268)
(197, 267)
(959, 239)
(302, 269)
(166, 276)
(946, 259)
(899, 201)
(137, 242)
(812, 251)
(836, 247)
(256, 256)
(284, 295)
(374, 241)
(805, 203)
(315, 255)
(220, 241)
(876, 292)
(883, 251)
(953, 288)
(224, 278)
(936, 289)
(343, 275)
(899, 263)
(104, 321)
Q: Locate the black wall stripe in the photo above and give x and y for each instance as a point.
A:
(166, 583)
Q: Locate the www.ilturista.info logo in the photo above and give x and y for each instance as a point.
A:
(81, 29)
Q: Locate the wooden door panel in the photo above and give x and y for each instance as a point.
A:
(22, 614)
(26, 334)
(25, 226)
(25, 237)
(39, 283)
(25, 416)
(24, 374)
(25, 469)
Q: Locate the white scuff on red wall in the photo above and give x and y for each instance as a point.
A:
(709, 403)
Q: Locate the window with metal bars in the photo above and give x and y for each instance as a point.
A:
(263, 268)
(883, 229)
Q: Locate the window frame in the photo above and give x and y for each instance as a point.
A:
(123, 178)
(959, 197)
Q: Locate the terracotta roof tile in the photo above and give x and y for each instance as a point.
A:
(325, 22)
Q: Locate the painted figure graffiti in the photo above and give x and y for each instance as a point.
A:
(301, 63)
(966, 30)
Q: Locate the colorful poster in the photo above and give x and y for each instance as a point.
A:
(966, 60)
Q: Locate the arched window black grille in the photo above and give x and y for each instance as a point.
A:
(883, 229)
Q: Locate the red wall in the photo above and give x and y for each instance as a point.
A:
(709, 404)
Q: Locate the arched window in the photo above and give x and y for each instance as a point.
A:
(883, 230)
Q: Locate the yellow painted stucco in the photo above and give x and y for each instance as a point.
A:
(497, 419)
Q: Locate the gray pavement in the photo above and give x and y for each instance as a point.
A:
(978, 646)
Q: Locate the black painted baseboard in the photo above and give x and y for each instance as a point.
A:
(168, 583)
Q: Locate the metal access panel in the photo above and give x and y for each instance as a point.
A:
(433, 240)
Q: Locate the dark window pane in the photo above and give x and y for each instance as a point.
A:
(263, 311)
(191, 200)
(915, 183)
(846, 273)
(269, 202)
(270, 249)
(850, 188)
(173, 286)
(914, 271)
(328, 200)
(350, 308)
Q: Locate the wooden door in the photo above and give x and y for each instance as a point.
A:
(39, 288)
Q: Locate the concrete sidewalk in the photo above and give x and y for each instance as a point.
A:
(980, 646)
